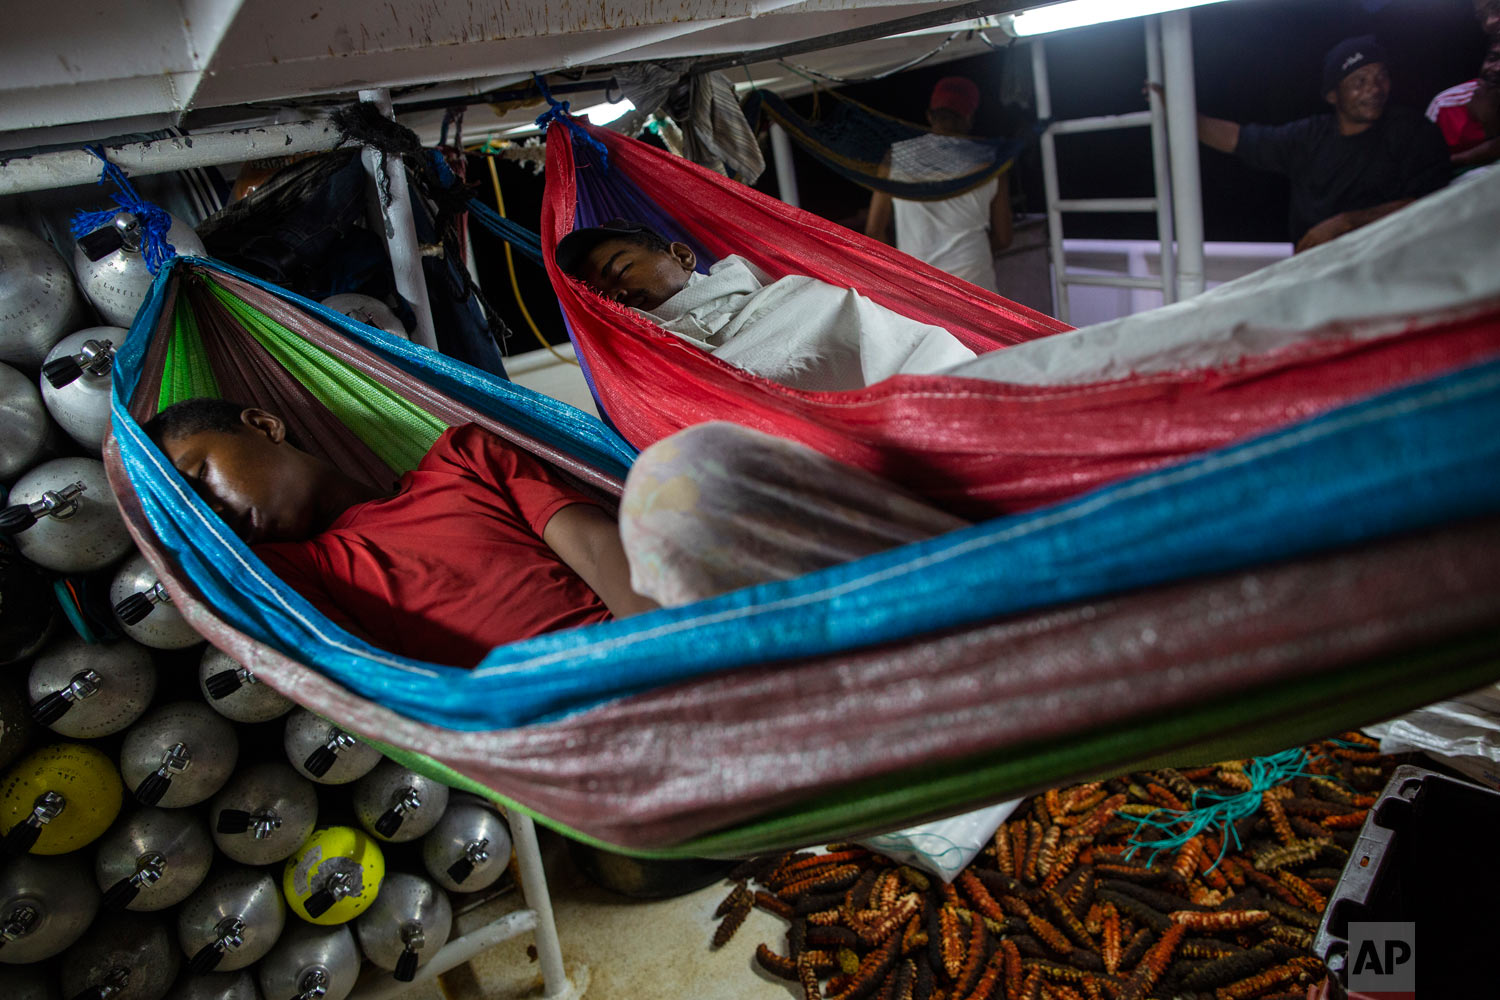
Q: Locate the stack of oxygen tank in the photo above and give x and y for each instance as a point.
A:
(161, 810)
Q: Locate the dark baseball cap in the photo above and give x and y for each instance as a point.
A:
(1348, 56)
(574, 248)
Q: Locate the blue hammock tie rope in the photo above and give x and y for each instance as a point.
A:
(518, 236)
(155, 222)
(557, 111)
(1177, 827)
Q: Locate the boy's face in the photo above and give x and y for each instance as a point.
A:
(251, 477)
(634, 276)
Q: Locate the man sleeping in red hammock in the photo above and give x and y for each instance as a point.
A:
(482, 544)
(797, 330)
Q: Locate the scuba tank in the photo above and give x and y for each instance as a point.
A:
(38, 298)
(62, 516)
(235, 693)
(398, 805)
(112, 271)
(121, 958)
(75, 383)
(325, 753)
(45, 905)
(264, 814)
(217, 986)
(178, 755)
(334, 877)
(469, 849)
(311, 963)
(58, 799)
(410, 921)
(153, 859)
(23, 423)
(85, 691)
(145, 610)
(231, 921)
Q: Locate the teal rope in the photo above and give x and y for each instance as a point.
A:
(1177, 827)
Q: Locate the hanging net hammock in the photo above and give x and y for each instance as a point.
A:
(887, 154)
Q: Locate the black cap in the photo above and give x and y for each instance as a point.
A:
(1348, 56)
(575, 247)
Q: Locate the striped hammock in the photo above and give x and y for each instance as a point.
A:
(1324, 570)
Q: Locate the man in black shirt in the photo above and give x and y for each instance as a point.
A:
(1349, 168)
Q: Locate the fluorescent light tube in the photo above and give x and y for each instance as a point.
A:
(1077, 13)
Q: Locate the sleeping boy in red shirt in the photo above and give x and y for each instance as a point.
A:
(479, 546)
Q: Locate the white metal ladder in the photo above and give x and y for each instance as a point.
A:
(1177, 203)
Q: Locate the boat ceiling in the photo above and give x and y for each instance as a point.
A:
(80, 70)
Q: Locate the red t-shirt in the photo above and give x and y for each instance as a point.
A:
(452, 564)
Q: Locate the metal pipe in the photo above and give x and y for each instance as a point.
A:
(786, 167)
(67, 167)
(400, 227)
(1049, 177)
(1113, 280)
(1182, 143)
(1102, 123)
(534, 889)
(1107, 205)
(1160, 164)
(451, 955)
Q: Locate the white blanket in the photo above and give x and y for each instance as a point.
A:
(802, 332)
(1436, 259)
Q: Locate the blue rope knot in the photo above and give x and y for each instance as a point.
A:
(156, 250)
(557, 111)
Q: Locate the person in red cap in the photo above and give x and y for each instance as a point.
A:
(960, 234)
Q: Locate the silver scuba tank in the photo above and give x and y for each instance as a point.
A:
(144, 608)
(88, 690)
(122, 957)
(75, 383)
(311, 962)
(264, 814)
(469, 849)
(62, 516)
(217, 986)
(112, 271)
(38, 298)
(235, 693)
(406, 925)
(178, 755)
(45, 905)
(325, 753)
(398, 805)
(368, 310)
(24, 424)
(153, 859)
(232, 921)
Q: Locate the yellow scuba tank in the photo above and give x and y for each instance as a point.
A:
(334, 877)
(57, 799)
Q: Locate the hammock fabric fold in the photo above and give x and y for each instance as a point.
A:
(975, 447)
(1322, 576)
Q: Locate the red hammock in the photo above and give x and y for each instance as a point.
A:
(975, 447)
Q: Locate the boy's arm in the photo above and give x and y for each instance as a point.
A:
(588, 540)
(878, 220)
(1000, 219)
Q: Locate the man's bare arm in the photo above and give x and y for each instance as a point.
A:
(1476, 156)
(588, 540)
(1218, 133)
(1335, 226)
(1000, 221)
(878, 222)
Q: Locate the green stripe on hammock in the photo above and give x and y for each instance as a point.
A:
(1294, 713)
(395, 429)
(186, 373)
